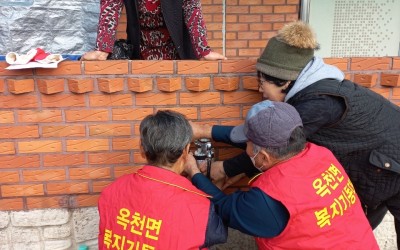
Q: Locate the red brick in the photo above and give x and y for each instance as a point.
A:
(50, 86)
(250, 52)
(7, 148)
(85, 201)
(89, 173)
(110, 100)
(87, 145)
(237, 9)
(43, 175)
(64, 68)
(196, 67)
(264, 9)
(152, 67)
(109, 129)
(189, 112)
(39, 116)
(59, 160)
(285, 9)
(48, 202)
(278, 26)
(200, 98)
(11, 204)
(239, 66)
(109, 158)
(60, 100)
(240, 44)
(63, 131)
(98, 186)
(197, 83)
(138, 158)
(67, 188)
(226, 83)
(396, 93)
(250, 82)
(232, 18)
(259, 27)
(390, 80)
(169, 84)
(9, 177)
(140, 84)
(152, 99)
(274, 2)
(19, 132)
(8, 72)
(120, 171)
(22, 190)
(39, 146)
(272, 18)
(93, 115)
(396, 63)
(366, 80)
(385, 92)
(370, 63)
(237, 27)
(125, 143)
(20, 86)
(111, 67)
(80, 86)
(130, 114)
(6, 117)
(220, 112)
(15, 162)
(244, 97)
(341, 63)
(2, 85)
(110, 85)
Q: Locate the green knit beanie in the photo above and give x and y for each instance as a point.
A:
(286, 54)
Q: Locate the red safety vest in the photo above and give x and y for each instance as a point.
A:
(152, 209)
(325, 212)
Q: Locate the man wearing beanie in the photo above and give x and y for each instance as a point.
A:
(302, 197)
(360, 127)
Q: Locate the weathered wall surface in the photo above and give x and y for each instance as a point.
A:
(60, 229)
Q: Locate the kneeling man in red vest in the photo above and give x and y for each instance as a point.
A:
(302, 198)
(156, 207)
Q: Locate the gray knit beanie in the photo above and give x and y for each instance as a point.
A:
(286, 54)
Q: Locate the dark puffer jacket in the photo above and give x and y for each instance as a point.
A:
(366, 139)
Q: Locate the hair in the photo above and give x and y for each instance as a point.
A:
(277, 81)
(164, 136)
(297, 142)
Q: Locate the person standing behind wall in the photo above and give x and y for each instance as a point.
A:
(156, 207)
(156, 29)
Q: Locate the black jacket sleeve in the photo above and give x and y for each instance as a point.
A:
(216, 232)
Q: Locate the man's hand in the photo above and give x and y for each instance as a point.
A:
(218, 176)
(95, 55)
(191, 166)
(213, 56)
(200, 130)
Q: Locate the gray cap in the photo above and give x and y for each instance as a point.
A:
(268, 124)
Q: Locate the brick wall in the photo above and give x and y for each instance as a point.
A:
(68, 132)
(240, 29)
